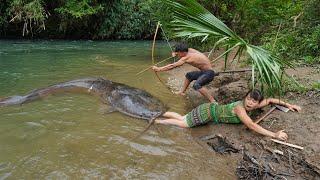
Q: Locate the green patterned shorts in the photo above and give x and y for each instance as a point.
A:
(199, 115)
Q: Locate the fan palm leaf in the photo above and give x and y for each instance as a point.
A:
(192, 20)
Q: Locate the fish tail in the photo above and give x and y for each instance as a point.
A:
(43, 92)
(12, 100)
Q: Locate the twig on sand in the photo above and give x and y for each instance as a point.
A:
(278, 151)
(287, 144)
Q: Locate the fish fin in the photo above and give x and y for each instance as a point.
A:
(106, 109)
(103, 99)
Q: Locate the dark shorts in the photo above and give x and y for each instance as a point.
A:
(202, 78)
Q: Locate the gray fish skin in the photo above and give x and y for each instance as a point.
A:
(128, 100)
(135, 102)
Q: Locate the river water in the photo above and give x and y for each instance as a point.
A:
(68, 136)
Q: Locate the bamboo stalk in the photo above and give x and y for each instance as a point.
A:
(287, 144)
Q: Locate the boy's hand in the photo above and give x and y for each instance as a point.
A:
(281, 135)
(295, 108)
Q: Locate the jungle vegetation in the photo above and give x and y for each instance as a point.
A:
(274, 34)
(289, 28)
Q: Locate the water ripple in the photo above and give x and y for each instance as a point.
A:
(146, 149)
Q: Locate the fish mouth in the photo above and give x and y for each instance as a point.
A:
(155, 115)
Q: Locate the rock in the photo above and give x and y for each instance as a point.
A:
(232, 92)
(224, 79)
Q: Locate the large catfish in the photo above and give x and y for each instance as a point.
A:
(128, 100)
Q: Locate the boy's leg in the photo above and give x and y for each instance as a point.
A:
(173, 115)
(190, 76)
(204, 79)
(184, 88)
(176, 122)
(204, 91)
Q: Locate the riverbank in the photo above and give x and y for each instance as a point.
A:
(302, 128)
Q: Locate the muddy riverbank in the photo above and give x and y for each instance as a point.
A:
(302, 128)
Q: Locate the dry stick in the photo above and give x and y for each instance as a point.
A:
(295, 18)
(265, 115)
(278, 151)
(287, 144)
(274, 43)
(234, 71)
(153, 65)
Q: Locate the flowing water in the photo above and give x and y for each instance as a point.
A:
(68, 136)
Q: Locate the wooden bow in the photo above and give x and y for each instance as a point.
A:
(152, 54)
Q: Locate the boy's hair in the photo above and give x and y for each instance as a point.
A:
(256, 95)
(181, 47)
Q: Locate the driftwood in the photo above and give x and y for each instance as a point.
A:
(219, 144)
(272, 163)
(270, 166)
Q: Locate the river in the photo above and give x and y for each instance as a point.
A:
(68, 136)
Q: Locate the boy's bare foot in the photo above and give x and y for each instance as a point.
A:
(158, 121)
(180, 93)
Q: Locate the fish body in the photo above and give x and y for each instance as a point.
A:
(128, 100)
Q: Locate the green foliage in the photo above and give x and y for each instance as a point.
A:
(94, 19)
(77, 9)
(257, 21)
(291, 85)
(30, 12)
(4, 14)
(75, 17)
(127, 20)
(192, 20)
(316, 85)
(299, 36)
(257, 17)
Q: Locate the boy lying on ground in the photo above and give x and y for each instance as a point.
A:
(236, 112)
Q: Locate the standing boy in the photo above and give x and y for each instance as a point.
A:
(198, 60)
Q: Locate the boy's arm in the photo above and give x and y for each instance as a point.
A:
(268, 101)
(170, 66)
(245, 119)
